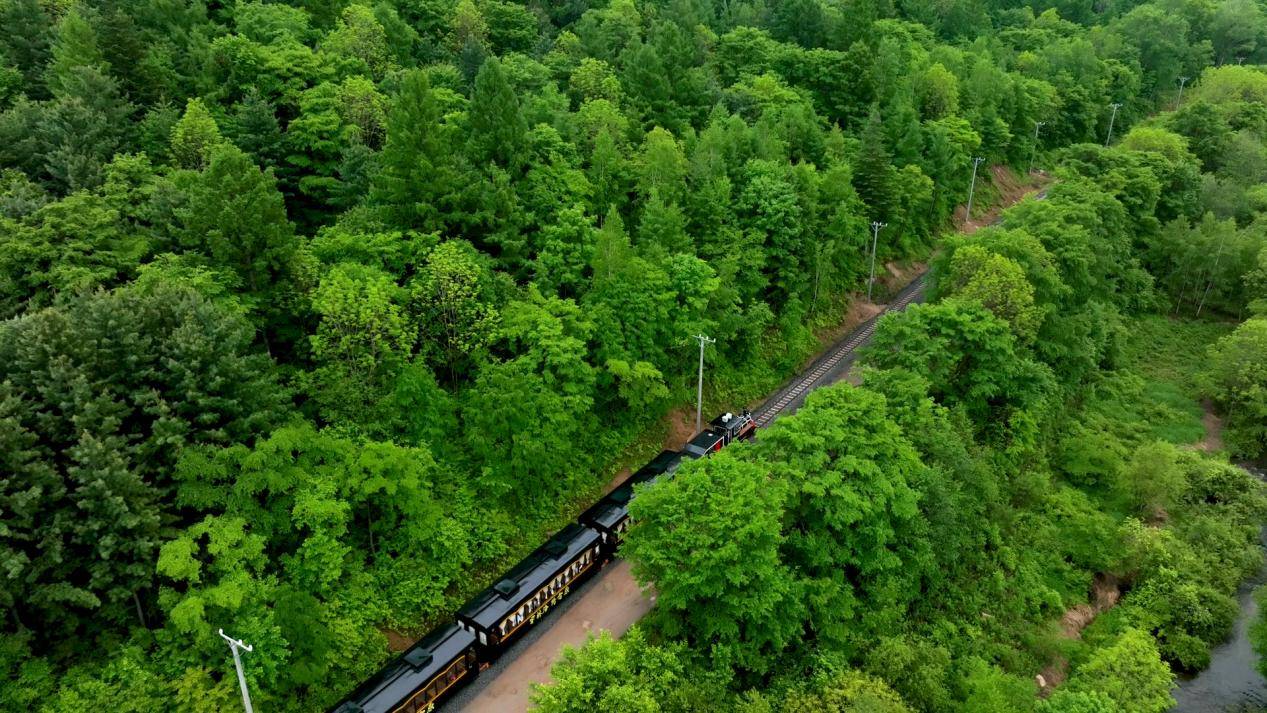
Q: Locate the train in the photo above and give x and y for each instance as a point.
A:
(439, 664)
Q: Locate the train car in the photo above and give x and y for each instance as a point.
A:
(450, 657)
(427, 673)
(736, 427)
(722, 431)
(610, 516)
(503, 612)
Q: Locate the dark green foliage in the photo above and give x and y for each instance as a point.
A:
(497, 127)
(473, 236)
(416, 177)
(114, 384)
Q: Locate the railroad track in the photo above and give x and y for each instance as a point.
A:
(819, 373)
(829, 362)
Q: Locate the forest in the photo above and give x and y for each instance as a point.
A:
(316, 314)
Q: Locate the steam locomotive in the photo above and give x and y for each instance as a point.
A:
(446, 659)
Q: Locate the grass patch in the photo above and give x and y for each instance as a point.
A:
(1171, 350)
(1153, 395)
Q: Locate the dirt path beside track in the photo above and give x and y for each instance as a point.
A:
(613, 601)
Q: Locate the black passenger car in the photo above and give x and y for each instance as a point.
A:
(514, 603)
(432, 669)
(610, 516)
(427, 673)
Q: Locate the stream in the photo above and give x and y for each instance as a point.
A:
(1231, 683)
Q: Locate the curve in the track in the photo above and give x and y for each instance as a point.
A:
(830, 362)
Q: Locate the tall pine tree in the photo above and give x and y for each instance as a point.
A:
(417, 172)
(873, 171)
(497, 126)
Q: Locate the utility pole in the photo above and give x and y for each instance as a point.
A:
(699, 389)
(1109, 138)
(1213, 269)
(875, 237)
(234, 645)
(972, 187)
(1037, 125)
(1182, 81)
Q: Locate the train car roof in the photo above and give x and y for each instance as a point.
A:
(408, 672)
(614, 507)
(492, 605)
(703, 443)
(664, 462)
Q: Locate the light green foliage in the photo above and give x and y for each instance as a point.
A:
(993, 691)
(358, 37)
(631, 674)
(594, 79)
(1152, 479)
(1065, 700)
(76, 244)
(452, 294)
(1258, 629)
(1237, 380)
(847, 692)
(325, 512)
(1143, 138)
(364, 338)
(1130, 673)
(996, 283)
(722, 584)
(194, 136)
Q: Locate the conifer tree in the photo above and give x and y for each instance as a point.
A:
(873, 173)
(417, 173)
(663, 228)
(904, 132)
(497, 125)
(606, 174)
(26, 41)
(237, 217)
(76, 45)
(194, 136)
(253, 128)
